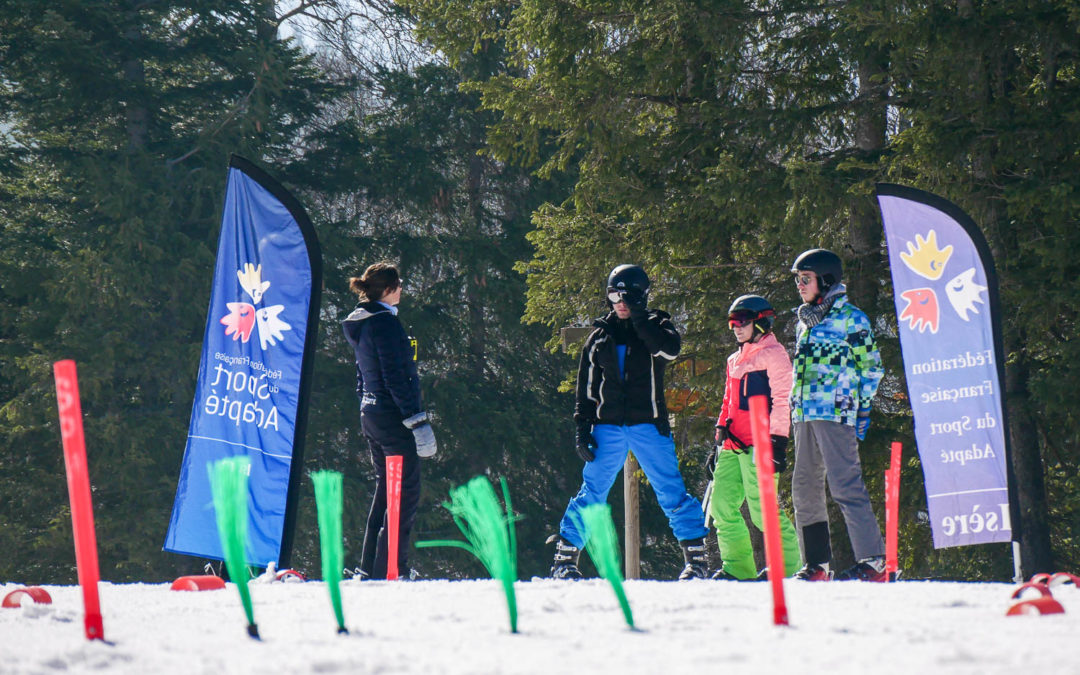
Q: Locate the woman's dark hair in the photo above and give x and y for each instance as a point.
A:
(376, 281)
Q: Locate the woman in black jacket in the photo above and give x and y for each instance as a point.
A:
(392, 417)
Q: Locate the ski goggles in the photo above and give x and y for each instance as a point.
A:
(615, 296)
(740, 319)
(746, 317)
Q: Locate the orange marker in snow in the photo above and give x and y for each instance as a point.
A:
(393, 513)
(770, 514)
(892, 511)
(78, 479)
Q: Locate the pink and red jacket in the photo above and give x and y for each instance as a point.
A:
(764, 368)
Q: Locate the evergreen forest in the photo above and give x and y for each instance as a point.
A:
(506, 154)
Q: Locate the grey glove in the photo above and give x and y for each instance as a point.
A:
(423, 434)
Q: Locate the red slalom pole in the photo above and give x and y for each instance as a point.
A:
(393, 514)
(892, 510)
(770, 513)
(78, 480)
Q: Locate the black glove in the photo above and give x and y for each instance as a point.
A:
(635, 300)
(710, 461)
(779, 453)
(722, 433)
(585, 444)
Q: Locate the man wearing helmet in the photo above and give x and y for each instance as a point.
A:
(837, 371)
(620, 407)
(760, 366)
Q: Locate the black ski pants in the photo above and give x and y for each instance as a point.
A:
(386, 435)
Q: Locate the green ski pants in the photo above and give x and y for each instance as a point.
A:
(734, 480)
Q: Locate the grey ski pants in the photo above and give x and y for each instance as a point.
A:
(824, 448)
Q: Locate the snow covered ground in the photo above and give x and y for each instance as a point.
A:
(565, 627)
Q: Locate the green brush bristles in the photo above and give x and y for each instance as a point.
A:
(229, 484)
(489, 532)
(328, 502)
(603, 548)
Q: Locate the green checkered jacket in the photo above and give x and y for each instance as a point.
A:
(837, 366)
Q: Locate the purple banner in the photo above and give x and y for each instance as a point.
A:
(945, 291)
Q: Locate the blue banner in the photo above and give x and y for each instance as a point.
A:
(254, 375)
(945, 291)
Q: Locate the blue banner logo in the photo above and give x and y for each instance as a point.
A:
(250, 396)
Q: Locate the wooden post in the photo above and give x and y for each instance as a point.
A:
(632, 531)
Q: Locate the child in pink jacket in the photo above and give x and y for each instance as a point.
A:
(759, 367)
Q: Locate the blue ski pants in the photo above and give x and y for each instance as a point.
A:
(656, 455)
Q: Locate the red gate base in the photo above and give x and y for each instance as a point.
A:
(38, 594)
(1043, 605)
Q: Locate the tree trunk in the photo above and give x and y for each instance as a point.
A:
(864, 223)
(476, 279)
(137, 117)
(632, 517)
(987, 78)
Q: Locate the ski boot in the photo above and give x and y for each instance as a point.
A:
(867, 569)
(814, 572)
(565, 565)
(697, 560)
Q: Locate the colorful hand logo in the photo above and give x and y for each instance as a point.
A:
(921, 310)
(251, 281)
(271, 328)
(925, 258)
(963, 293)
(243, 318)
(239, 321)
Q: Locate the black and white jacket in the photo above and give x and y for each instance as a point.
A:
(636, 397)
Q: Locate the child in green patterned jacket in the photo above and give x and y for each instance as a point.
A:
(837, 370)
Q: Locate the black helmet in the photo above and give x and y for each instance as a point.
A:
(824, 263)
(754, 308)
(628, 279)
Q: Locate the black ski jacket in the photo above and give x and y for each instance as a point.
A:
(386, 377)
(637, 397)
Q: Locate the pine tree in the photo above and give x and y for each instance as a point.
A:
(404, 177)
(119, 119)
(714, 141)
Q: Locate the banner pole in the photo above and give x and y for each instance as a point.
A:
(1018, 575)
(770, 514)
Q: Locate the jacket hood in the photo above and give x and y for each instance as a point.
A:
(363, 312)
